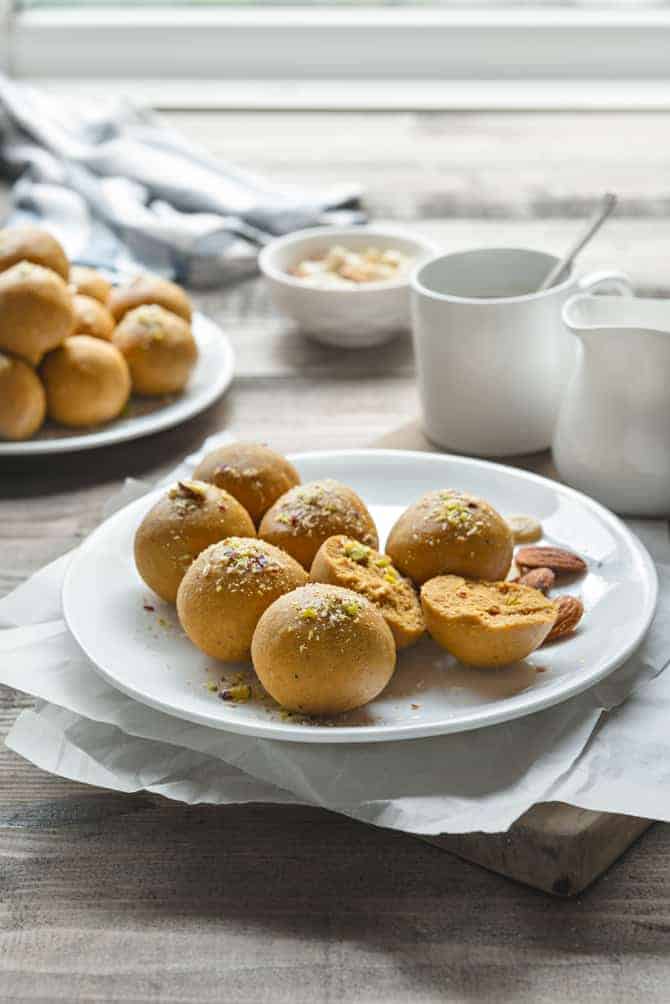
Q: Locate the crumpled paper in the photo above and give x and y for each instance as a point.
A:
(592, 751)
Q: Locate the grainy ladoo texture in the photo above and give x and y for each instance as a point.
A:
(486, 623)
(36, 312)
(159, 348)
(227, 588)
(22, 399)
(252, 472)
(190, 516)
(306, 516)
(86, 380)
(342, 561)
(91, 317)
(322, 650)
(35, 245)
(88, 282)
(449, 531)
(147, 289)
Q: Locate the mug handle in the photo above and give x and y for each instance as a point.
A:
(606, 277)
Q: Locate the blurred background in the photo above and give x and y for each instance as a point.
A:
(478, 122)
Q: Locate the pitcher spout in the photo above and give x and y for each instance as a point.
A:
(636, 324)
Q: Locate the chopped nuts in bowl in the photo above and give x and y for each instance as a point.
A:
(343, 267)
(347, 287)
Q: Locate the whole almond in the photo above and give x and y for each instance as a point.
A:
(555, 558)
(570, 611)
(538, 578)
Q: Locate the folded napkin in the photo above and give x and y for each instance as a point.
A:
(118, 187)
(592, 751)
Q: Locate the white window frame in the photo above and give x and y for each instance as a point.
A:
(343, 57)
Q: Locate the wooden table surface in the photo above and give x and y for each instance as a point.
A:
(106, 897)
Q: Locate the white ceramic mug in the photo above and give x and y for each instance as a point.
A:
(493, 356)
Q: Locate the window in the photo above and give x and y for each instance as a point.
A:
(346, 53)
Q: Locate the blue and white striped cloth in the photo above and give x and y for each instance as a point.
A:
(120, 189)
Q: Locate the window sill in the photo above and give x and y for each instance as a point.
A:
(374, 95)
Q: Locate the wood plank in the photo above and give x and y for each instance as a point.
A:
(476, 165)
(554, 847)
(130, 899)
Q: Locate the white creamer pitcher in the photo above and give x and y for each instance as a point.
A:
(612, 438)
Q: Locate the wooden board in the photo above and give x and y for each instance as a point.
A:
(554, 847)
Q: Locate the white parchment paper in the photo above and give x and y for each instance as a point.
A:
(592, 751)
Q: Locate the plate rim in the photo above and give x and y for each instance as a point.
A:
(353, 735)
(165, 418)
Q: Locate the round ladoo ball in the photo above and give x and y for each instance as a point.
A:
(159, 348)
(253, 473)
(190, 516)
(226, 590)
(344, 562)
(322, 650)
(35, 245)
(92, 318)
(307, 515)
(88, 282)
(36, 312)
(486, 624)
(86, 380)
(23, 402)
(450, 531)
(148, 288)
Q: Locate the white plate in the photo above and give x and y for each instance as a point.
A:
(145, 654)
(210, 378)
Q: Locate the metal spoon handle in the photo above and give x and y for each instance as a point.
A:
(606, 207)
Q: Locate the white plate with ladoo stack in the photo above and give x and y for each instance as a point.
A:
(143, 416)
(135, 641)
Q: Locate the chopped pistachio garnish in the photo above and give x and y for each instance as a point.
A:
(357, 552)
(351, 608)
(240, 693)
(382, 562)
(309, 614)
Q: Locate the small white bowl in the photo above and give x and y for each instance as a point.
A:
(369, 314)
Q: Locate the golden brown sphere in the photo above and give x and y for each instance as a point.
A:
(307, 515)
(159, 348)
(88, 282)
(22, 399)
(341, 561)
(36, 312)
(190, 516)
(91, 318)
(149, 289)
(322, 650)
(253, 473)
(227, 588)
(449, 531)
(35, 245)
(86, 380)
